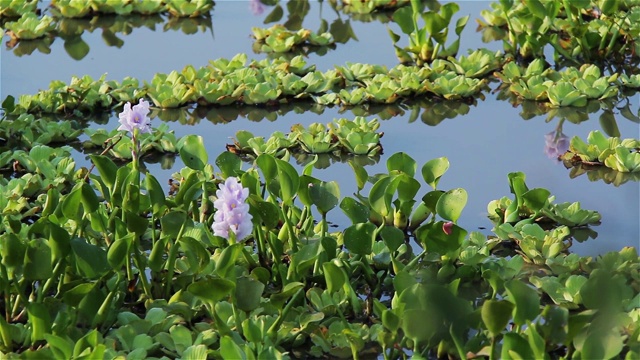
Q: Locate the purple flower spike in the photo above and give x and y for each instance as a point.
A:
(136, 117)
(556, 144)
(232, 212)
(256, 6)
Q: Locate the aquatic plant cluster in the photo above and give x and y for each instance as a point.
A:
(578, 31)
(277, 39)
(226, 82)
(238, 261)
(68, 20)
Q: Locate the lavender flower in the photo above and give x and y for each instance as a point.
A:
(232, 212)
(556, 144)
(135, 118)
(256, 7)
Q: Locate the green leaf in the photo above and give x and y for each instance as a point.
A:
(392, 237)
(156, 194)
(496, 315)
(359, 238)
(37, 260)
(156, 257)
(12, 251)
(172, 222)
(515, 347)
(525, 299)
(334, 276)
(118, 251)
(228, 163)
(195, 352)
(536, 199)
(289, 181)
(76, 47)
(248, 293)
(193, 152)
(325, 195)
(390, 320)
(230, 350)
(355, 211)
(91, 260)
(433, 169)
(211, 290)
(39, 319)
(451, 203)
(536, 8)
(9, 104)
(379, 197)
(609, 124)
(361, 174)
(227, 259)
(404, 18)
(433, 237)
(275, 15)
(71, 204)
(403, 163)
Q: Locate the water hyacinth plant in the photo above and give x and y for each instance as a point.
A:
(232, 220)
(135, 120)
(233, 261)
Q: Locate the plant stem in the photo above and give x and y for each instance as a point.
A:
(141, 270)
(273, 330)
(173, 252)
(43, 289)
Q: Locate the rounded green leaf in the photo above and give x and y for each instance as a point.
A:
(390, 320)
(451, 203)
(248, 293)
(325, 195)
(402, 162)
(392, 237)
(265, 211)
(433, 169)
(355, 211)
(211, 290)
(496, 315)
(358, 238)
(229, 163)
(193, 153)
(76, 47)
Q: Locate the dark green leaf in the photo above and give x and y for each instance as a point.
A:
(193, 152)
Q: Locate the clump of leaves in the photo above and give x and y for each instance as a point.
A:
(30, 27)
(428, 42)
(622, 155)
(160, 141)
(279, 39)
(370, 6)
(17, 8)
(536, 205)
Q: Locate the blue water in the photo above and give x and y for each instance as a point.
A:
(482, 146)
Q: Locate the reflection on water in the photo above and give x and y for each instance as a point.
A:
(484, 139)
(113, 28)
(556, 143)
